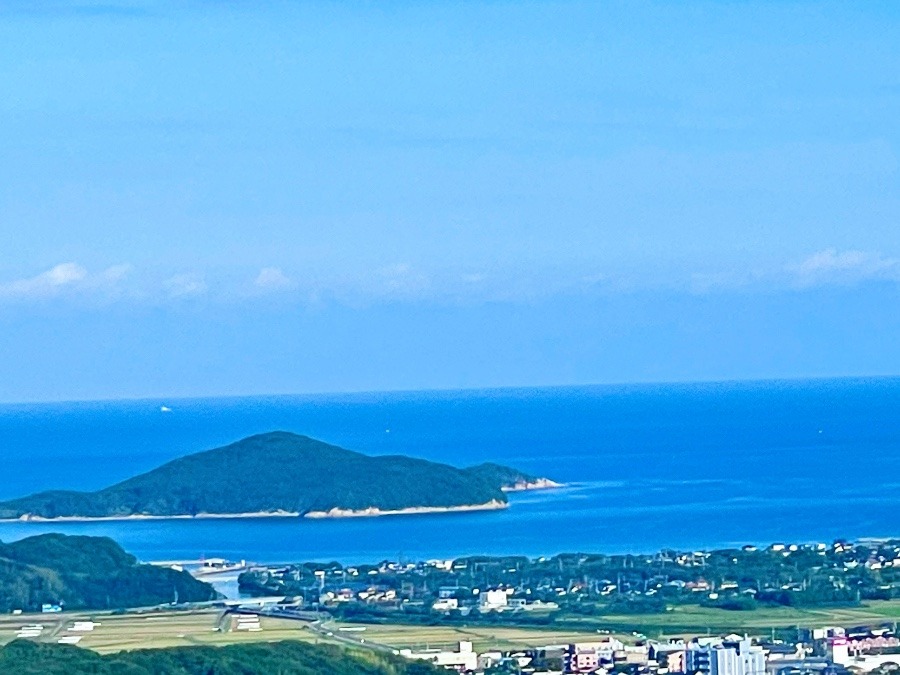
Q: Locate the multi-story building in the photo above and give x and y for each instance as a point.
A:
(586, 657)
(731, 656)
(581, 658)
(493, 599)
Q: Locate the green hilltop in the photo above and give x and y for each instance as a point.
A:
(87, 573)
(278, 473)
(21, 657)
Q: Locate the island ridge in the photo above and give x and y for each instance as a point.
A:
(283, 474)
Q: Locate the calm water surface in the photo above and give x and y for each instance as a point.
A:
(648, 466)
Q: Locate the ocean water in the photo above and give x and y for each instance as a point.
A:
(647, 466)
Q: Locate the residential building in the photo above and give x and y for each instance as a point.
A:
(493, 600)
(463, 659)
(731, 656)
(445, 604)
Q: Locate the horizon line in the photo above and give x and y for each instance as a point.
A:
(156, 399)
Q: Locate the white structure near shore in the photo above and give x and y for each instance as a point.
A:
(464, 658)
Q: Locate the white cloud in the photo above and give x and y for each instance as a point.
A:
(185, 285)
(61, 275)
(272, 279)
(403, 281)
(45, 284)
(833, 266)
(68, 278)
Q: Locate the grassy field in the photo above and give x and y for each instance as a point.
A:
(401, 636)
(211, 627)
(696, 620)
(154, 630)
(685, 621)
(169, 629)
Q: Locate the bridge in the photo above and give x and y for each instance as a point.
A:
(205, 566)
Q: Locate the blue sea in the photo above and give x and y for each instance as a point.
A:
(647, 466)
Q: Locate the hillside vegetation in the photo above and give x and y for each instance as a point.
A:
(282, 658)
(87, 573)
(275, 472)
(503, 476)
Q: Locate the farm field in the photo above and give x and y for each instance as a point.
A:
(690, 620)
(117, 632)
(158, 629)
(400, 636)
(684, 621)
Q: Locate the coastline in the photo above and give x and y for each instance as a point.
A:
(539, 484)
(28, 518)
(370, 512)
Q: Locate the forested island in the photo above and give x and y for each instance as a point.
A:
(77, 572)
(287, 658)
(283, 474)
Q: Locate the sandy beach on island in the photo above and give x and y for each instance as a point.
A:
(332, 513)
(371, 512)
(492, 505)
(29, 518)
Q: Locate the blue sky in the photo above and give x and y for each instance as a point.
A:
(220, 198)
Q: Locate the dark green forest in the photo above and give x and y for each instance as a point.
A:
(87, 573)
(276, 471)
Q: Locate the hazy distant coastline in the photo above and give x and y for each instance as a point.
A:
(332, 513)
(370, 512)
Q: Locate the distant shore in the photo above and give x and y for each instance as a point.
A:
(30, 518)
(539, 484)
(370, 512)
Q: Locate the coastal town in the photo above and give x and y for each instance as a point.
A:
(592, 585)
(824, 651)
(646, 611)
(782, 609)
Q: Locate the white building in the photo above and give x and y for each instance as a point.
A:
(462, 659)
(839, 650)
(731, 656)
(445, 604)
(493, 600)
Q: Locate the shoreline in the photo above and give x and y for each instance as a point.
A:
(538, 484)
(28, 518)
(371, 512)
(336, 512)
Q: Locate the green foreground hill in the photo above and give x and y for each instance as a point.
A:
(284, 658)
(277, 473)
(87, 573)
